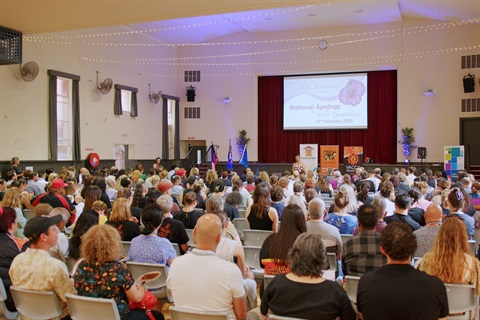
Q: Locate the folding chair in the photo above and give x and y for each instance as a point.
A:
(255, 237)
(36, 305)
(3, 307)
(185, 314)
(86, 308)
(461, 300)
(159, 286)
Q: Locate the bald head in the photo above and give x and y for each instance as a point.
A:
(433, 214)
(208, 232)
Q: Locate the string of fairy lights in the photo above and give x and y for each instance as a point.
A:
(326, 64)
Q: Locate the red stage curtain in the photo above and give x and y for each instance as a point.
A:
(379, 141)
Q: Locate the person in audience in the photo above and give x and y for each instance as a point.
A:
(111, 191)
(380, 206)
(364, 178)
(139, 199)
(88, 219)
(170, 228)
(219, 286)
(15, 167)
(56, 199)
(127, 194)
(165, 187)
(217, 188)
(402, 186)
(323, 186)
(233, 200)
(10, 248)
(410, 178)
(43, 209)
(284, 182)
(3, 188)
(100, 275)
(353, 204)
(451, 259)
(238, 186)
(273, 254)
(25, 197)
(416, 212)
(35, 269)
(188, 215)
(232, 250)
(337, 180)
(261, 215)
(315, 224)
(298, 165)
(93, 193)
(402, 205)
(198, 188)
(149, 247)
(374, 176)
(427, 234)
(32, 184)
(303, 292)
(475, 195)
(362, 194)
(100, 182)
(121, 219)
(361, 253)
(12, 200)
(310, 194)
(455, 203)
(397, 290)
(387, 192)
(298, 192)
(60, 249)
(250, 186)
(214, 205)
(340, 219)
(177, 183)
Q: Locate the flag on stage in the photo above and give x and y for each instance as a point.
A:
(244, 158)
(230, 157)
(214, 158)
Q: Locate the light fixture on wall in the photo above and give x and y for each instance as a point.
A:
(430, 92)
(155, 98)
(227, 99)
(191, 94)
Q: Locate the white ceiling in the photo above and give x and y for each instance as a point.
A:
(193, 21)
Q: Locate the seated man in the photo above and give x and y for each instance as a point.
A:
(427, 234)
(397, 290)
(361, 253)
(203, 281)
(35, 269)
(402, 205)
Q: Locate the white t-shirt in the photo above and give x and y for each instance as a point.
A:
(202, 281)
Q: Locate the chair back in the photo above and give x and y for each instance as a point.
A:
(241, 213)
(472, 244)
(191, 243)
(266, 280)
(86, 308)
(240, 224)
(125, 247)
(255, 237)
(346, 237)
(351, 286)
(461, 299)
(36, 305)
(252, 256)
(3, 307)
(159, 286)
(177, 248)
(70, 264)
(28, 214)
(184, 314)
(332, 260)
(177, 196)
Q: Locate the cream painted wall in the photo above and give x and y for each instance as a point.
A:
(23, 106)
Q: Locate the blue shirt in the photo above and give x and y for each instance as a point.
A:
(344, 224)
(151, 249)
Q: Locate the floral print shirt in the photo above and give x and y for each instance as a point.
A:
(344, 224)
(107, 280)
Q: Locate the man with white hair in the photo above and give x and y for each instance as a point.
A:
(111, 191)
(172, 229)
(330, 235)
(59, 251)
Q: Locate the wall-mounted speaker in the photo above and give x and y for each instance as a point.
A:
(422, 152)
(191, 94)
(469, 83)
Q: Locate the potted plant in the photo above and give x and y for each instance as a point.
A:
(242, 140)
(407, 141)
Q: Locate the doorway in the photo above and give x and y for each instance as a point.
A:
(469, 138)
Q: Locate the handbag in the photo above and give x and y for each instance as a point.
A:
(147, 303)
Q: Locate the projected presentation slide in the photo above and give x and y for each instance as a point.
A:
(334, 101)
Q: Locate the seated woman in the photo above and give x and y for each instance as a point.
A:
(10, 248)
(260, 215)
(12, 199)
(232, 250)
(273, 254)
(303, 292)
(456, 203)
(148, 247)
(188, 216)
(87, 220)
(121, 219)
(362, 194)
(100, 275)
(416, 212)
(451, 259)
(344, 222)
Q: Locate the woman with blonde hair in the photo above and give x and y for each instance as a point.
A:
(451, 259)
(344, 222)
(11, 199)
(136, 178)
(263, 176)
(387, 192)
(121, 219)
(100, 275)
(210, 176)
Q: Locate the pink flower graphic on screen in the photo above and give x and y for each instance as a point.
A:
(352, 93)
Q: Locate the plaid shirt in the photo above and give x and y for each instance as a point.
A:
(362, 254)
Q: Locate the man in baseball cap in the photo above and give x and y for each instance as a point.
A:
(165, 187)
(56, 199)
(35, 269)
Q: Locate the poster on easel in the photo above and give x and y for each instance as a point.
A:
(309, 155)
(352, 158)
(329, 157)
(454, 161)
